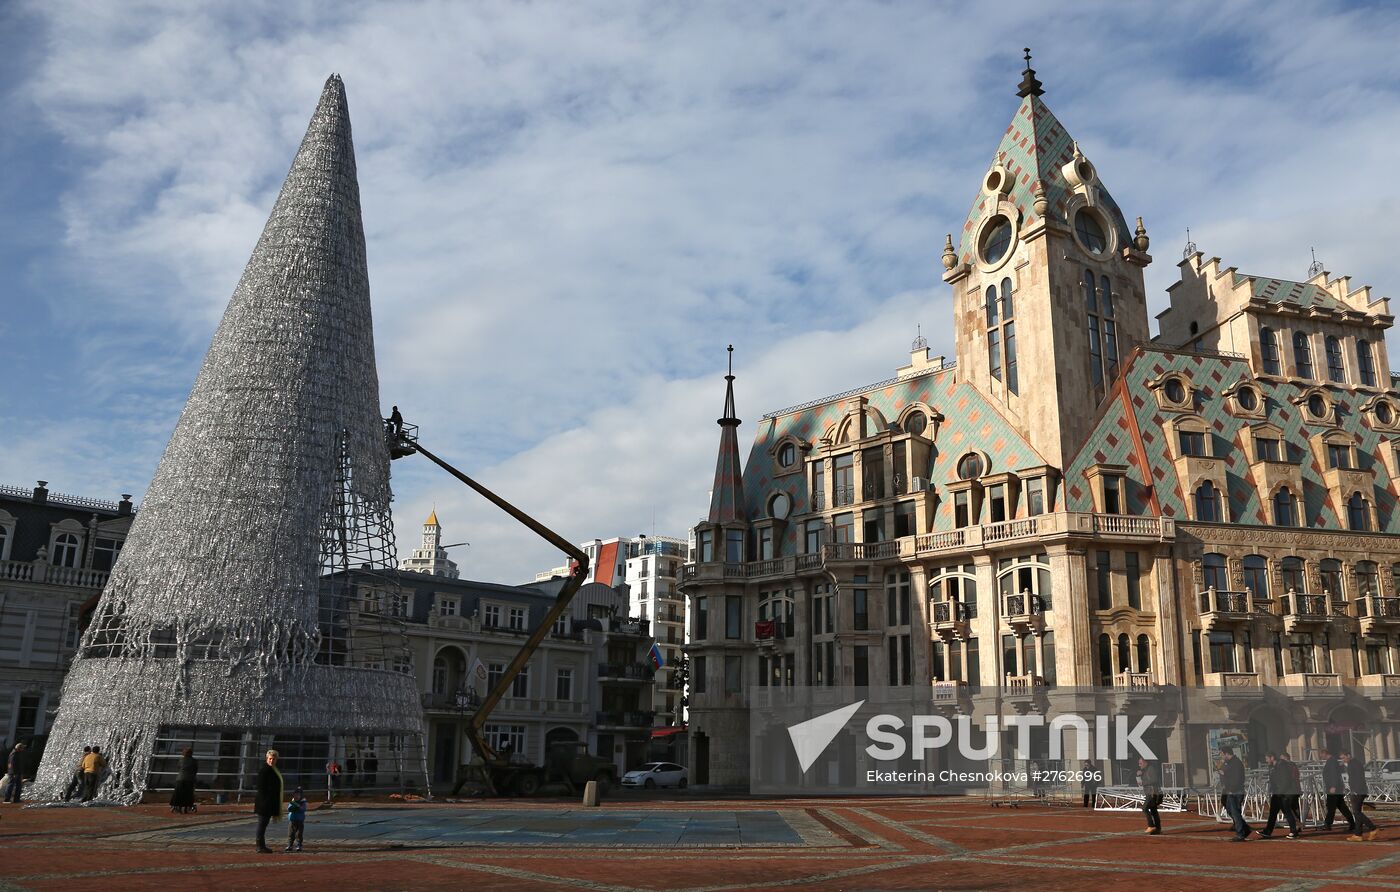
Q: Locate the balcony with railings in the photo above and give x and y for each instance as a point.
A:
(1219, 608)
(48, 574)
(948, 693)
(1233, 685)
(1378, 615)
(1307, 610)
(634, 673)
(464, 702)
(1023, 686)
(626, 626)
(626, 720)
(1134, 684)
(771, 633)
(950, 621)
(1024, 613)
(842, 496)
(1324, 685)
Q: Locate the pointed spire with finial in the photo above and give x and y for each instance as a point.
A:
(1030, 85)
(727, 498)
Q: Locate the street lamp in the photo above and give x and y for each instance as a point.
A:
(461, 700)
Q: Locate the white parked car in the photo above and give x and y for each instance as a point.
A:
(656, 774)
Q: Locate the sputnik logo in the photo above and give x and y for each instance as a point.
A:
(811, 738)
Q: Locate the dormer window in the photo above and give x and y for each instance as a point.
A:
(65, 550)
(916, 423)
(1285, 508)
(1208, 503)
(1358, 513)
(1317, 407)
(1192, 442)
(1112, 494)
(971, 466)
(1268, 449)
(787, 454)
(1090, 231)
(1339, 456)
(1248, 399)
(1173, 391)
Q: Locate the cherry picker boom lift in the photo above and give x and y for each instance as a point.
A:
(499, 774)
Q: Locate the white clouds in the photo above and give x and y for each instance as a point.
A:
(570, 213)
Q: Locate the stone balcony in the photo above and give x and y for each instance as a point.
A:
(1380, 687)
(1116, 527)
(950, 621)
(1306, 611)
(1020, 686)
(950, 693)
(1233, 685)
(1024, 613)
(1378, 615)
(1314, 684)
(1219, 608)
(47, 574)
(1134, 684)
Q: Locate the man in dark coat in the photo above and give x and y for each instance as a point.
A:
(1282, 780)
(15, 769)
(1232, 792)
(1335, 787)
(1150, 777)
(267, 804)
(1357, 793)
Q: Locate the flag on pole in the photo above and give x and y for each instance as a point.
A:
(478, 671)
(657, 658)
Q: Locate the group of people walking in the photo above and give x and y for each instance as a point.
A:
(1343, 778)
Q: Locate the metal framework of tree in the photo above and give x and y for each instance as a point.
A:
(249, 600)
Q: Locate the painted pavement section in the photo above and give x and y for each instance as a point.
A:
(727, 845)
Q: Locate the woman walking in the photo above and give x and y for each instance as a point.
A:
(1150, 778)
(182, 799)
(267, 805)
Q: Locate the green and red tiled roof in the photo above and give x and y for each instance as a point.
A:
(1111, 443)
(970, 422)
(1036, 146)
(1279, 291)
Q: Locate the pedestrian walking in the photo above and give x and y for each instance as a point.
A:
(94, 764)
(1281, 782)
(182, 799)
(14, 772)
(267, 803)
(1356, 796)
(1150, 779)
(1333, 782)
(296, 820)
(332, 778)
(1232, 792)
(75, 786)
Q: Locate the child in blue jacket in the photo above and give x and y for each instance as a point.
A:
(296, 820)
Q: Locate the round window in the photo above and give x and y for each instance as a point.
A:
(1174, 390)
(1384, 414)
(779, 506)
(1248, 399)
(1090, 232)
(1317, 406)
(916, 423)
(787, 454)
(970, 466)
(996, 242)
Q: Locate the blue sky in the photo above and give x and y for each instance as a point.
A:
(572, 208)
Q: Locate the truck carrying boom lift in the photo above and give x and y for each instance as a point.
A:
(498, 773)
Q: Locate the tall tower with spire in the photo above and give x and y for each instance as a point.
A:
(1047, 275)
(430, 557)
(248, 606)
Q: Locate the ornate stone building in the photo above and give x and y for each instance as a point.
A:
(1074, 503)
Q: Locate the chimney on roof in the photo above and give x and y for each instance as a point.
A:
(41, 493)
(124, 506)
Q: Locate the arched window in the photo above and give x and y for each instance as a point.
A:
(1365, 362)
(1302, 355)
(1256, 575)
(1268, 343)
(1368, 579)
(1285, 508)
(1105, 659)
(781, 609)
(1144, 654)
(1336, 371)
(1330, 570)
(1027, 574)
(1124, 654)
(1291, 569)
(1208, 503)
(1358, 513)
(1213, 571)
(65, 550)
(955, 584)
(1001, 335)
(1103, 331)
(4, 541)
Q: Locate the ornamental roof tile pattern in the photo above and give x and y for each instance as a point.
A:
(1282, 291)
(1211, 375)
(970, 422)
(1036, 146)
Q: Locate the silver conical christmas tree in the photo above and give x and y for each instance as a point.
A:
(246, 609)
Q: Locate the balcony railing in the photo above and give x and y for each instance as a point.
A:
(949, 691)
(1023, 685)
(627, 671)
(624, 625)
(843, 495)
(1378, 607)
(626, 719)
(1305, 604)
(1133, 682)
(1214, 600)
(770, 630)
(818, 501)
(435, 700)
(39, 571)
